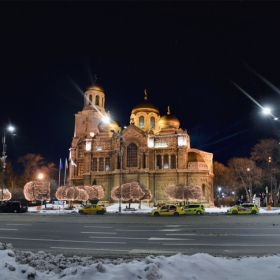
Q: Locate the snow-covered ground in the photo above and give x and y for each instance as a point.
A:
(42, 266)
(21, 265)
(144, 209)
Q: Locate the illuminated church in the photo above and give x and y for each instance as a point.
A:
(153, 151)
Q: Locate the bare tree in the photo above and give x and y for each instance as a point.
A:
(246, 174)
(34, 164)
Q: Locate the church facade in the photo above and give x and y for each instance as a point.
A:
(153, 151)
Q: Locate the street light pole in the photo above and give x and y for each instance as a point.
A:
(3, 158)
(120, 189)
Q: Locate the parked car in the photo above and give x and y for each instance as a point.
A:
(93, 209)
(13, 207)
(244, 208)
(194, 209)
(168, 210)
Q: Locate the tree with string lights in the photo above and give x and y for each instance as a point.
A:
(6, 195)
(183, 193)
(37, 190)
(131, 192)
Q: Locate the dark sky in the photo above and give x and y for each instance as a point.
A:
(188, 55)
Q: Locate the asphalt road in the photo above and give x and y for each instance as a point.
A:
(130, 236)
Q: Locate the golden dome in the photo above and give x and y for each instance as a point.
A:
(168, 121)
(107, 127)
(96, 87)
(145, 107)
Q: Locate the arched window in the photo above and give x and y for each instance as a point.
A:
(80, 168)
(90, 99)
(165, 162)
(173, 162)
(101, 164)
(107, 164)
(97, 100)
(203, 189)
(141, 122)
(159, 166)
(152, 122)
(131, 155)
(94, 164)
(144, 161)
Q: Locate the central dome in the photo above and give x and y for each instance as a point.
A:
(145, 106)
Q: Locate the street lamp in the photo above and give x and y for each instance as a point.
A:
(9, 131)
(120, 161)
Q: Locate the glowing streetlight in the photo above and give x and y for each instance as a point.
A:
(266, 111)
(40, 176)
(9, 131)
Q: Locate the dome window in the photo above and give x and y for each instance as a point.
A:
(97, 100)
(141, 122)
(152, 122)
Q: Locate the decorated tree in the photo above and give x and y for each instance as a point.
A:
(71, 193)
(94, 192)
(130, 192)
(183, 193)
(6, 195)
(61, 193)
(37, 190)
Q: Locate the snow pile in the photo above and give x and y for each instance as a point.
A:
(21, 265)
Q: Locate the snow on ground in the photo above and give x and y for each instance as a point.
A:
(43, 266)
(19, 265)
(144, 210)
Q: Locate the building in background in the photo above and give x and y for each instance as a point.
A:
(153, 151)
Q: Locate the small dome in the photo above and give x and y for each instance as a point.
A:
(168, 121)
(195, 157)
(107, 127)
(96, 87)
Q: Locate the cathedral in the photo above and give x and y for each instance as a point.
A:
(152, 151)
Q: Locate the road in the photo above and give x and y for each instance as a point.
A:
(131, 236)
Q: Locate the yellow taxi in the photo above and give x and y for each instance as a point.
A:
(194, 209)
(93, 209)
(245, 208)
(168, 210)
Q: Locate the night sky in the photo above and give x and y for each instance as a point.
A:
(190, 56)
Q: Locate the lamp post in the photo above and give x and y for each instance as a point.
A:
(9, 131)
(41, 177)
(219, 189)
(120, 161)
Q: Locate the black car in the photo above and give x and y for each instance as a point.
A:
(13, 207)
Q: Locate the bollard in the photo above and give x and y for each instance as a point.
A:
(269, 208)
